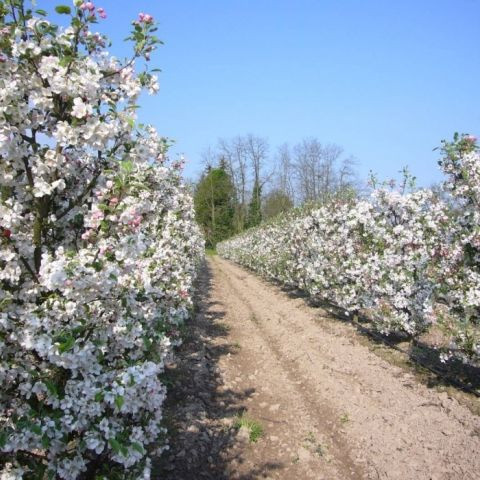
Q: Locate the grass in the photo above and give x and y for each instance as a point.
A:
(312, 444)
(254, 428)
(344, 418)
(210, 252)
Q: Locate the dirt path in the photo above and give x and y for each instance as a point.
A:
(329, 407)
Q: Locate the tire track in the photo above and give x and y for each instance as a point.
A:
(370, 412)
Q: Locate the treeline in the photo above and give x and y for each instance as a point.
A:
(243, 183)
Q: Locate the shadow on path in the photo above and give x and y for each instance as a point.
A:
(420, 353)
(198, 412)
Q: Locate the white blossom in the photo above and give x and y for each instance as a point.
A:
(94, 235)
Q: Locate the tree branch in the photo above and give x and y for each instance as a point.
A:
(73, 203)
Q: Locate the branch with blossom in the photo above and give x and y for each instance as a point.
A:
(98, 252)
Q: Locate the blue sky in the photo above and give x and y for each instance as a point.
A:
(386, 80)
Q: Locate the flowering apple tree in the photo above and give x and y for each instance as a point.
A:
(98, 251)
(404, 260)
(458, 272)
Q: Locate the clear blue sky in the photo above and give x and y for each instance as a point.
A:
(385, 79)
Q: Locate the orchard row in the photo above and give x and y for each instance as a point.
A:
(98, 251)
(407, 261)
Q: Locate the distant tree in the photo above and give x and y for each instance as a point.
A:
(255, 206)
(320, 173)
(276, 202)
(214, 204)
(245, 158)
(283, 179)
(234, 153)
(314, 165)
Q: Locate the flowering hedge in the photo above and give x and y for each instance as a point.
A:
(98, 251)
(405, 260)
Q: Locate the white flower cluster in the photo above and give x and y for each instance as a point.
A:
(98, 252)
(405, 261)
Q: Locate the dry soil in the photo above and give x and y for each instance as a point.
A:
(329, 407)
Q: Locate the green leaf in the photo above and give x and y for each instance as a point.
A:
(36, 429)
(98, 266)
(51, 387)
(119, 401)
(115, 444)
(43, 13)
(104, 226)
(127, 165)
(65, 61)
(3, 439)
(63, 10)
(66, 345)
(99, 396)
(136, 446)
(45, 441)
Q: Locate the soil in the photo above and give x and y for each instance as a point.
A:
(329, 407)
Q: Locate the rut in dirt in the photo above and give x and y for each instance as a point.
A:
(329, 407)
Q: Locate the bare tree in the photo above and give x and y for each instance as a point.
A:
(234, 153)
(284, 172)
(256, 149)
(307, 163)
(328, 180)
(348, 183)
(209, 158)
(310, 172)
(315, 168)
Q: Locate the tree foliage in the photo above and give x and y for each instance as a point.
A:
(255, 206)
(276, 202)
(214, 204)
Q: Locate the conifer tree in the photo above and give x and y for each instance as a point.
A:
(214, 204)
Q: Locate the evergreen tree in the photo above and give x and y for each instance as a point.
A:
(214, 204)
(255, 206)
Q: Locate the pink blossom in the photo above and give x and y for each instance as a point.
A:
(97, 215)
(471, 138)
(87, 6)
(101, 12)
(86, 234)
(137, 221)
(145, 18)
